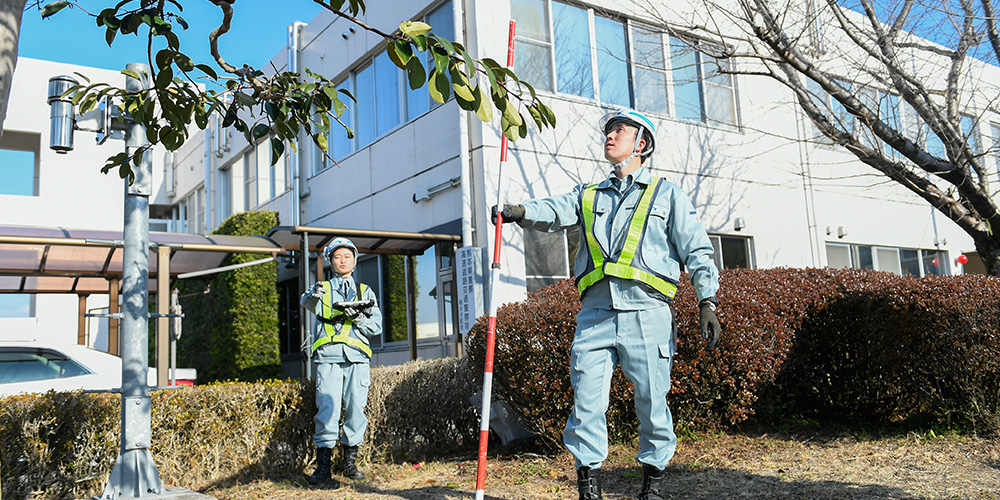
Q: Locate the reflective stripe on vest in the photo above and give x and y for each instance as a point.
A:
(622, 267)
(344, 336)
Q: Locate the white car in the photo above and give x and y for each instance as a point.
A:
(33, 366)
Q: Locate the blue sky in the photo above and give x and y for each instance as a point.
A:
(259, 31)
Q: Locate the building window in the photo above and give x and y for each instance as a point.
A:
(649, 69)
(225, 192)
(545, 258)
(19, 163)
(534, 44)
(899, 261)
(384, 98)
(17, 305)
(289, 330)
(571, 29)
(967, 123)
(995, 133)
(703, 87)
(249, 180)
(732, 252)
(593, 56)
(612, 62)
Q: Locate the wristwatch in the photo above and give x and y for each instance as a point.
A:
(711, 302)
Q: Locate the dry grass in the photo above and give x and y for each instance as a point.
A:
(809, 465)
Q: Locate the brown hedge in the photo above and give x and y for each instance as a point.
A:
(64, 444)
(860, 346)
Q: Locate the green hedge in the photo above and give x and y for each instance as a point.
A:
(863, 347)
(65, 444)
(231, 330)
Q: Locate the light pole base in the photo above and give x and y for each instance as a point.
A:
(174, 494)
(133, 476)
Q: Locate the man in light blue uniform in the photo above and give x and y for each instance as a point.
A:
(341, 353)
(636, 232)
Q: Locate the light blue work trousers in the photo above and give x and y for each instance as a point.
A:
(337, 383)
(643, 342)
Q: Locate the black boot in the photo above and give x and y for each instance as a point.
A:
(588, 480)
(349, 464)
(322, 472)
(652, 480)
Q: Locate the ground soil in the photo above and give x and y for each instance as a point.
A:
(814, 464)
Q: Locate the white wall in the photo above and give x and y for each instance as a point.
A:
(72, 191)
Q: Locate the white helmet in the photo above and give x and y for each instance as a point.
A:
(339, 243)
(635, 119)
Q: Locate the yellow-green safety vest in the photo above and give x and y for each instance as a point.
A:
(622, 267)
(344, 336)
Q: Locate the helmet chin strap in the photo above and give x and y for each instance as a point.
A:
(635, 151)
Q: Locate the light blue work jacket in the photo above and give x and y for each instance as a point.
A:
(336, 352)
(674, 235)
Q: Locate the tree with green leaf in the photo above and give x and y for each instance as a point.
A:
(282, 106)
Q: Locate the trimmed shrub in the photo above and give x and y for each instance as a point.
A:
(857, 345)
(902, 348)
(65, 444)
(231, 330)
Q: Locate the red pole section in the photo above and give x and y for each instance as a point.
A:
(484, 425)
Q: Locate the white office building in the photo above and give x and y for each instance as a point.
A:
(769, 193)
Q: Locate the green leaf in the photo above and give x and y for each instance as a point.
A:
(412, 29)
(129, 72)
(277, 149)
(484, 109)
(420, 42)
(549, 115)
(163, 78)
(184, 62)
(272, 110)
(399, 52)
(164, 58)
(109, 35)
(260, 130)
(444, 43)
(207, 70)
(348, 94)
(415, 73)
(511, 114)
(437, 85)
(463, 90)
(182, 22)
(53, 7)
(322, 142)
(441, 61)
(338, 108)
(535, 115)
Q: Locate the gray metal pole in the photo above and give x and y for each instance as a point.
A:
(134, 474)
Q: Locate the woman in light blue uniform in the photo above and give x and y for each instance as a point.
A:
(341, 352)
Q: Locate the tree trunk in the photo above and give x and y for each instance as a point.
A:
(10, 31)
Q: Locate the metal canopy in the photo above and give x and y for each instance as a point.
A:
(82, 261)
(367, 241)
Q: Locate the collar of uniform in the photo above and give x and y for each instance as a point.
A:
(641, 176)
(338, 279)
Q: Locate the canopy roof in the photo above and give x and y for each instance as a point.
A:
(59, 260)
(367, 241)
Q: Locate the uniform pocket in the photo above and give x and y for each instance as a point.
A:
(664, 363)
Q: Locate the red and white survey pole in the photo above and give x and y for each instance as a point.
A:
(484, 426)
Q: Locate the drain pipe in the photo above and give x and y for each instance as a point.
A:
(464, 143)
(294, 158)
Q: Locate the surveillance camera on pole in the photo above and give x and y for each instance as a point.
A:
(64, 122)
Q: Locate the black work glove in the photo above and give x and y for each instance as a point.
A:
(352, 313)
(710, 326)
(511, 213)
